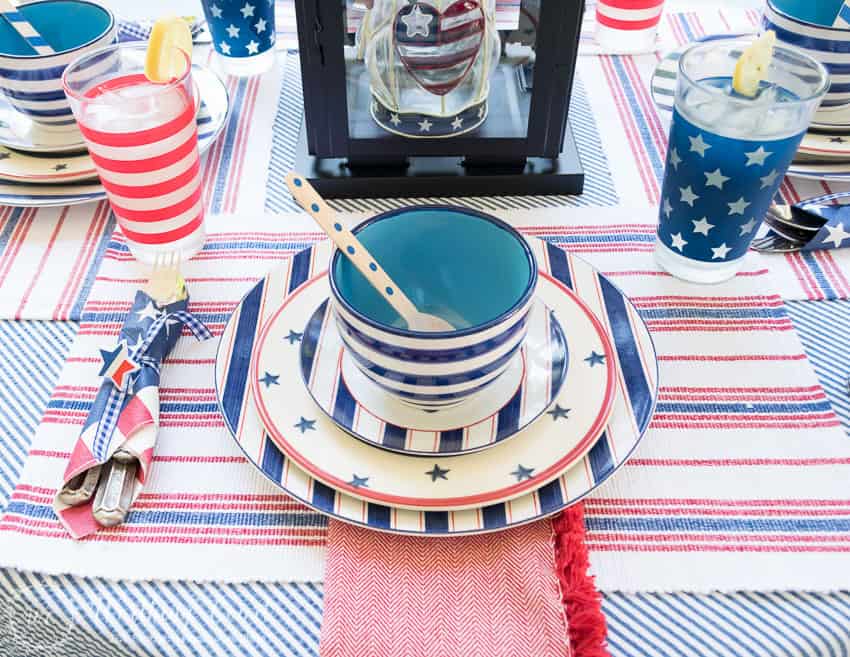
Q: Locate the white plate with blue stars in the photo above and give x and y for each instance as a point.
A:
(635, 393)
(507, 469)
(517, 398)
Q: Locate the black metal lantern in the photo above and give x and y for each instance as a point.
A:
(438, 97)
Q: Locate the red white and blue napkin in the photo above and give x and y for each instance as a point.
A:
(125, 412)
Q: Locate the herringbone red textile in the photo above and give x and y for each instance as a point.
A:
(494, 595)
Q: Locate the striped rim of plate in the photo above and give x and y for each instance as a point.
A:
(212, 116)
(636, 394)
(319, 446)
(493, 415)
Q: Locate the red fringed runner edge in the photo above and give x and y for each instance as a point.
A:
(582, 602)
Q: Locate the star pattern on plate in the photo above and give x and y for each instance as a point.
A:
(5, 156)
(594, 359)
(521, 473)
(240, 27)
(358, 482)
(293, 337)
(60, 167)
(716, 189)
(437, 473)
(304, 425)
(837, 140)
(268, 379)
(558, 413)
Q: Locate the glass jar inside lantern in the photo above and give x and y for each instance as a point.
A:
(429, 64)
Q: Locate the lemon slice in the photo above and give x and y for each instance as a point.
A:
(170, 38)
(752, 65)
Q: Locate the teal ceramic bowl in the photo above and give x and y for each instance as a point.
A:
(33, 82)
(467, 267)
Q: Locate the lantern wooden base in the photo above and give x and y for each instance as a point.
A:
(441, 176)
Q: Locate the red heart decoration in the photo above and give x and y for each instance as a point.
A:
(438, 48)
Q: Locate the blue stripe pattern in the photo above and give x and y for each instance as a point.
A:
(822, 327)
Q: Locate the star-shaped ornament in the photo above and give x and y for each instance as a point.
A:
(60, 167)
(837, 234)
(748, 227)
(769, 179)
(117, 365)
(304, 424)
(270, 379)
(395, 119)
(688, 195)
(757, 156)
(557, 413)
(215, 10)
(417, 22)
(425, 125)
(232, 31)
(253, 47)
(260, 26)
(738, 206)
(666, 208)
(702, 226)
(698, 145)
(150, 311)
(675, 160)
(837, 140)
(437, 473)
(522, 473)
(715, 179)
(293, 337)
(595, 359)
(224, 47)
(457, 123)
(247, 11)
(359, 482)
(677, 241)
(720, 252)
(481, 111)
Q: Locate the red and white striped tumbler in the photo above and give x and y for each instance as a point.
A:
(627, 26)
(143, 139)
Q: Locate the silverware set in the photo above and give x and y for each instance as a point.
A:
(791, 227)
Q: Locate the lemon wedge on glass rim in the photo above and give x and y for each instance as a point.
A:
(752, 65)
(165, 59)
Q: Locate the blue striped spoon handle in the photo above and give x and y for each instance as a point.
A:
(303, 192)
(23, 27)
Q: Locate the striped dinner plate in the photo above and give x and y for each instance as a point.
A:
(50, 179)
(514, 400)
(634, 370)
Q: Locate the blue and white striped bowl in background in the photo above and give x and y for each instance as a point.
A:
(33, 83)
(467, 267)
(829, 45)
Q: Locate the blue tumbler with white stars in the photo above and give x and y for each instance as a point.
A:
(243, 34)
(728, 154)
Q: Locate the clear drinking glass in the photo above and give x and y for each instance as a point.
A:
(728, 154)
(143, 139)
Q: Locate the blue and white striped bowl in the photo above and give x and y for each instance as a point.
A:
(467, 267)
(33, 83)
(829, 45)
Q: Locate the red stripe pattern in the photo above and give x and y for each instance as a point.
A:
(629, 15)
(152, 176)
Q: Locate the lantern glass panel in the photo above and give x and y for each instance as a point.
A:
(439, 69)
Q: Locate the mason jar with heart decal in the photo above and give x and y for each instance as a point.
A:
(429, 64)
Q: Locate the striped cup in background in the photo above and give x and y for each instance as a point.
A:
(143, 139)
(627, 26)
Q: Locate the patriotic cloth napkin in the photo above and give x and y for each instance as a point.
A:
(125, 412)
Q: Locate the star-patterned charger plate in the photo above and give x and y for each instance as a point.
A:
(512, 402)
(636, 391)
(60, 179)
(534, 457)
